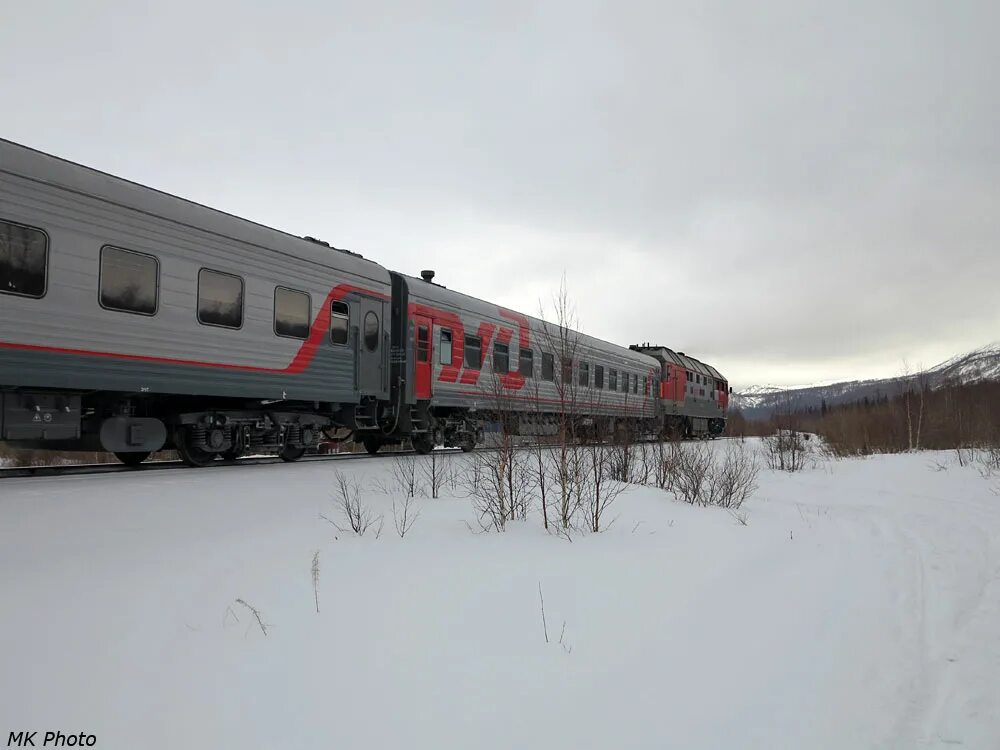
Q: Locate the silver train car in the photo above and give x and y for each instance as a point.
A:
(470, 363)
(132, 320)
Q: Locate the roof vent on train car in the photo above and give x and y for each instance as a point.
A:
(427, 276)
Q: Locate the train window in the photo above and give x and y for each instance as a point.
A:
(645, 385)
(473, 352)
(444, 353)
(220, 299)
(24, 256)
(526, 363)
(548, 366)
(292, 313)
(598, 376)
(128, 281)
(635, 383)
(423, 344)
(567, 371)
(613, 380)
(340, 322)
(371, 331)
(584, 375)
(625, 379)
(501, 358)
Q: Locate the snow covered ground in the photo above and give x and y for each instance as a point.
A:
(859, 608)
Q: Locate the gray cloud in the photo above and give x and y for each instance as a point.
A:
(793, 191)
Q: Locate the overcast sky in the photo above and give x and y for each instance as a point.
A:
(794, 192)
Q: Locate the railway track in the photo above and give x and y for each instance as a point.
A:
(114, 468)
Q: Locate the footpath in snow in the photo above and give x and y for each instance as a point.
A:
(858, 608)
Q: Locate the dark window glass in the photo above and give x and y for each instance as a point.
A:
(129, 281)
(548, 366)
(340, 322)
(501, 358)
(444, 354)
(635, 383)
(567, 371)
(645, 385)
(598, 376)
(613, 380)
(423, 344)
(371, 331)
(23, 258)
(526, 363)
(220, 299)
(473, 352)
(292, 313)
(584, 374)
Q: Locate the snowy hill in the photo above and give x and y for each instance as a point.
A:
(760, 402)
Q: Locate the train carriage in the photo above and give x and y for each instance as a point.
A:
(131, 320)
(466, 360)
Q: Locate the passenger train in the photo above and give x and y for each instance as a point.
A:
(132, 321)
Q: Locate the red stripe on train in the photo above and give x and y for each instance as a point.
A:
(298, 364)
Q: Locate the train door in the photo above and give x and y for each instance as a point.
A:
(422, 330)
(371, 348)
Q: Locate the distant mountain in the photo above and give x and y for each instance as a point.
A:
(760, 402)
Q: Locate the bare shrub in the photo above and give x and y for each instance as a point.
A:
(733, 478)
(988, 461)
(359, 519)
(643, 466)
(692, 468)
(664, 460)
(255, 612)
(435, 470)
(315, 579)
(785, 451)
(599, 486)
(502, 484)
(404, 515)
(699, 475)
(404, 475)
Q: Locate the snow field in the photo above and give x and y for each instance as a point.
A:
(859, 608)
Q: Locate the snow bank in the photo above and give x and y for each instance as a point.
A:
(858, 609)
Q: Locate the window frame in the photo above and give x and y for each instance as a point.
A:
(100, 282)
(551, 359)
(526, 355)
(48, 243)
(583, 375)
(340, 316)
(243, 299)
(478, 346)
(274, 312)
(599, 377)
(506, 358)
(451, 346)
(378, 333)
(427, 329)
(612, 380)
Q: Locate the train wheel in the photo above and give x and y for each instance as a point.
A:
(190, 454)
(132, 459)
(290, 454)
(372, 444)
(422, 444)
